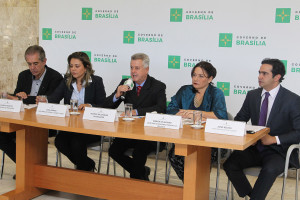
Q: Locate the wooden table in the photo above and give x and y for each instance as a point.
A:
(34, 176)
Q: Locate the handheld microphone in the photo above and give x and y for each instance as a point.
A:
(130, 84)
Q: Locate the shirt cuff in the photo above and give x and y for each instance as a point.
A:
(115, 99)
(277, 140)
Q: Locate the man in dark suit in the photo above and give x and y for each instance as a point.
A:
(275, 107)
(147, 95)
(39, 79)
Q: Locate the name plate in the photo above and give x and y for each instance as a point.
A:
(100, 114)
(54, 110)
(11, 105)
(226, 127)
(163, 121)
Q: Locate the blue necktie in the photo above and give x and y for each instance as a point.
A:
(263, 118)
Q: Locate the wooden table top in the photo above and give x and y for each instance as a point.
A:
(128, 129)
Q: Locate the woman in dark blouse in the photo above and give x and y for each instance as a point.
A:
(80, 83)
(201, 95)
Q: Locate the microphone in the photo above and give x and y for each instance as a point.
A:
(130, 84)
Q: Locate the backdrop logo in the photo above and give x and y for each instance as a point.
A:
(295, 66)
(191, 62)
(283, 15)
(87, 13)
(176, 15)
(89, 54)
(285, 65)
(225, 40)
(202, 15)
(150, 37)
(174, 62)
(242, 89)
(105, 58)
(47, 33)
(225, 87)
(128, 37)
(106, 14)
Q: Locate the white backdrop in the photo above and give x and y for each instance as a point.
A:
(233, 35)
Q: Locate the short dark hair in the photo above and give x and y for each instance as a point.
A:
(36, 49)
(208, 67)
(277, 67)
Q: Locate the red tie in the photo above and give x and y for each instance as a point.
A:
(139, 90)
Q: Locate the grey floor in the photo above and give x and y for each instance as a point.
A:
(7, 183)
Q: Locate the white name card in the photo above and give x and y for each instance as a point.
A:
(226, 127)
(11, 105)
(163, 121)
(54, 110)
(100, 114)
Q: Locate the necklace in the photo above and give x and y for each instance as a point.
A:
(197, 100)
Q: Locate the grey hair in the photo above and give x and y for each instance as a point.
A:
(143, 57)
(36, 49)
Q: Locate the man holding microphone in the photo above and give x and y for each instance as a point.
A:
(147, 95)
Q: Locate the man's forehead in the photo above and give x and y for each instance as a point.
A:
(33, 55)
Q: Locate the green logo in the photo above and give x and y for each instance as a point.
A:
(283, 15)
(128, 37)
(225, 40)
(225, 87)
(168, 102)
(176, 15)
(89, 54)
(285, 65)
(47, 33)
(87, 13)
(126, 76)
(174, 62)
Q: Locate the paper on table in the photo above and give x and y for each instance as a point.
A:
(254, 128)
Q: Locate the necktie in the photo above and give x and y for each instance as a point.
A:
(138, 90)
(263, 118)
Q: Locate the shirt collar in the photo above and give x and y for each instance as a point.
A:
(272, 92)
(140, 84)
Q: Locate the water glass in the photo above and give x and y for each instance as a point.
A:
(3, 95)
(197, 117)
(128, 110)
(41, 98)
(74, 105)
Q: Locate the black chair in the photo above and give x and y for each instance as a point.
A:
(254, 171)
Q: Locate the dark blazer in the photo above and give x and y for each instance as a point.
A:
(152, 97)
(283, 121)
(51, 80)
(94, 93)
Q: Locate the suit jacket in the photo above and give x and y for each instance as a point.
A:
(152, 97)
(51, 80)
(94, 93)
(283, 121)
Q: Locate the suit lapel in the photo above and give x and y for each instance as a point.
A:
(87, 93)
(276, 105)
(257, 106)
(28, 84)
(143, 92)
(45, 82)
